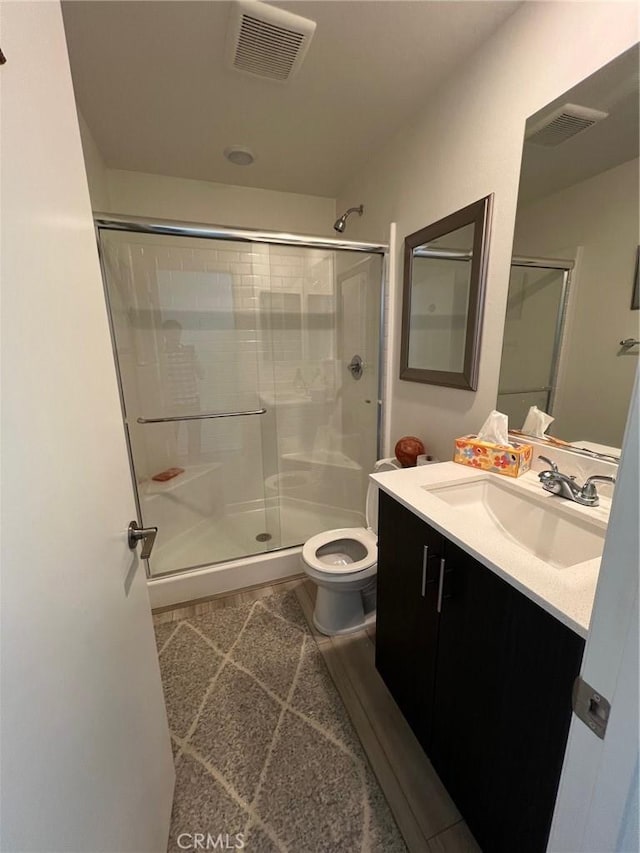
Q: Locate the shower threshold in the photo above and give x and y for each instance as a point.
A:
(240, 534)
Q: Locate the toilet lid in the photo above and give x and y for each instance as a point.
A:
(335, 563)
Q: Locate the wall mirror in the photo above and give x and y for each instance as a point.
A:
(570, 336)
(444, 281)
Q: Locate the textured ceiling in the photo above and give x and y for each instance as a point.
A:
(151, 82)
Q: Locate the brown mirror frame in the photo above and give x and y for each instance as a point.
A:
(479, 215)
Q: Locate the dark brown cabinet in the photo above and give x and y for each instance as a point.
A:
(482, 674)
(406, 628)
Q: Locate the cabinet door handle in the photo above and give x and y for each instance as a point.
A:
(425, 557)
(441, 583)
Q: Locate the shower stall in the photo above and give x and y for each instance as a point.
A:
(533, 332)
(248, 365)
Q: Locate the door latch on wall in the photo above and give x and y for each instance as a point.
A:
(590, 707)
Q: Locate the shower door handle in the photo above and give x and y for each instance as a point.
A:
(201, 417)
(146, 535)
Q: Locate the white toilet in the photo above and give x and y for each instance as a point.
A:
(343, 563)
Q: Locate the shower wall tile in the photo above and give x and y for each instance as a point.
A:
(262, 269)
(253, 257)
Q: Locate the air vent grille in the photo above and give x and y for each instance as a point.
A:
(267, 41)
(563, 124)
(267, 50)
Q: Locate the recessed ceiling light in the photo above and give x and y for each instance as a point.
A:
(239, 156)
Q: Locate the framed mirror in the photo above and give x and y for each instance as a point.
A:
(445, 266)
(570, 343)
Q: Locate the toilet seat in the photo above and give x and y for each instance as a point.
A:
(361, 535)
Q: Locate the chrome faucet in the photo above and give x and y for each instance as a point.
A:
(561, 484)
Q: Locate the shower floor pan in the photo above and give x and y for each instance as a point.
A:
(236, 535)
(233, 559)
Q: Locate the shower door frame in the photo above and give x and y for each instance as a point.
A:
(567, 267)
(166, 227)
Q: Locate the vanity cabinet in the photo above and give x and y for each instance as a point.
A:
(483, 676)
(406, 628)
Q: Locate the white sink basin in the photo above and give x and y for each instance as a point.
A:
(538, 523)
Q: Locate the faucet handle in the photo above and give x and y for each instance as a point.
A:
(589, 490)
(549, 462)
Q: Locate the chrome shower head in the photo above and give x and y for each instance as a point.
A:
(340, 224)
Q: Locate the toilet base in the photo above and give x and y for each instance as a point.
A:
(337, 612)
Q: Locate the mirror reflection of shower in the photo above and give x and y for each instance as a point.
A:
(341, 223)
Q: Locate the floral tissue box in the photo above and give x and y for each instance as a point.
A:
(497, 458)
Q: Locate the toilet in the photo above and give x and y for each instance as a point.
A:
(343, 563)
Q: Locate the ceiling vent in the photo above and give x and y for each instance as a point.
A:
(563, 123)
(266, 41)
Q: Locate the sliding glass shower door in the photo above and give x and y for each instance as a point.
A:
(247, 432)
(533, 326)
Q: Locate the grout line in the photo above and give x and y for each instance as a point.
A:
(336, 665)
(389, 759)
(323, 646)
(446, 829)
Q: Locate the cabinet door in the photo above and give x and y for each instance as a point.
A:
(542, 660)
(502, 706)
(473, 632)
(409, 554)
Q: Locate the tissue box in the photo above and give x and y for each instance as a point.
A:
(497, 458)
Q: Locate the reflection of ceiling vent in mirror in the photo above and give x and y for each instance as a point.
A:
(266, 41)
(561, 124)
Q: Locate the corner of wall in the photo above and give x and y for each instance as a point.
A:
(95, 167)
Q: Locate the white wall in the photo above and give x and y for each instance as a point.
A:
(596, 219)
(86, 756)
(95, 166)
(466, 143)
(164, 197)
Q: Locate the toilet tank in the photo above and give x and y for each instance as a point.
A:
(372, 491)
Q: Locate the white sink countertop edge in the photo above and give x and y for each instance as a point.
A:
(566, 593)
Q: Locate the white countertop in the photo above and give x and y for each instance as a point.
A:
(565, 593)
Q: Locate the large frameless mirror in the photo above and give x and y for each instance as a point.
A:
(570, 342)
(444, 280)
